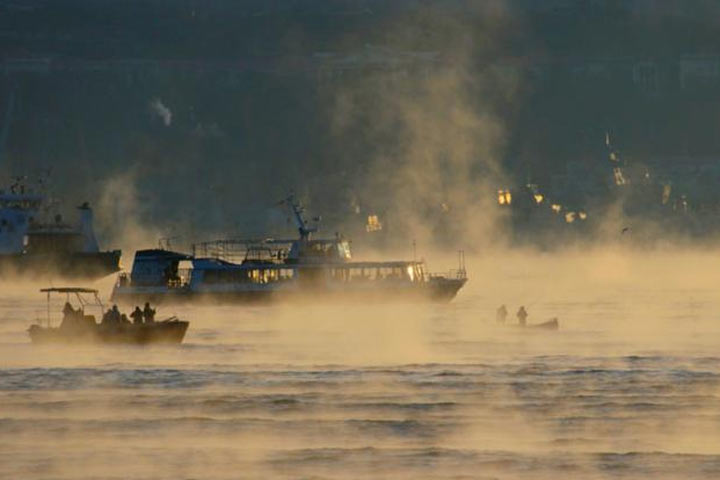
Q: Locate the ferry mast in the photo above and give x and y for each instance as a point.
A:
(298, 210)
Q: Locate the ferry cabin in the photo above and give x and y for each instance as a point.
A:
(159, 272)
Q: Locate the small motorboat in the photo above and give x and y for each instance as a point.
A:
(79, 327)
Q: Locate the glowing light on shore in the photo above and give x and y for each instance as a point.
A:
(373, 224)
(667, 190)
(619, 177)
(570, 217)
(556, 207)
(504, 197)
(538, 198)
(582, 215)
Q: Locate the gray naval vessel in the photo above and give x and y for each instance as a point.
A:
(37, 242)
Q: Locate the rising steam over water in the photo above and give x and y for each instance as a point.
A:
(628, 388)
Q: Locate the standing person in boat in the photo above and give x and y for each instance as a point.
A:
(69, 316)
(501, 314)
(149, 313)
(522, 316)
(137, 315)
(116, 317)
(68, 311)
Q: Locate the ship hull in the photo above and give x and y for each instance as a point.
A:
(440, 291)
(70, 266)
(167, 332)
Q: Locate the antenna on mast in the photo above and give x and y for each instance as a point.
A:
(298, 210)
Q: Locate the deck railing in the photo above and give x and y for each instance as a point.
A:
(454, 273)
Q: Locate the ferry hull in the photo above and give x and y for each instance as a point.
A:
(70, 266)
(436, 291)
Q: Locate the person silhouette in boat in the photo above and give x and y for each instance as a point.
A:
(149, 313)
(116, 317)
(501, 314)
(68, 310)
(112, 316)
(137, 315)
(522, 316)
(70, 316)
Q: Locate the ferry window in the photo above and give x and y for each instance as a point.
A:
(261, 276)
(344, 250)
(340, 274)
(419, 272)
(184, 269)
(359, 274)
(219, 276)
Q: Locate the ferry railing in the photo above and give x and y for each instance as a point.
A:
(454, 273)
(234, 251)
(227, 250)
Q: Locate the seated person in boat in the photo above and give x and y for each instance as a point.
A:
(70, 317)
(137, 315)
(68, 310)
(75, 319)
(112, 316)
(149, 313)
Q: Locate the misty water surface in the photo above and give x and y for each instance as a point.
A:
(628, 388)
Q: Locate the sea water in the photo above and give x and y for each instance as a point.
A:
(629, 387)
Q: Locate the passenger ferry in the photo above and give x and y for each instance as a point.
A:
(306, 268)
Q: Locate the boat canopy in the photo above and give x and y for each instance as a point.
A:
(69, 290)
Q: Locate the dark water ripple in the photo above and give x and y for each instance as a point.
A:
(561, 417)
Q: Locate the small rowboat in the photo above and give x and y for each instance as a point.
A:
(551, 324)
